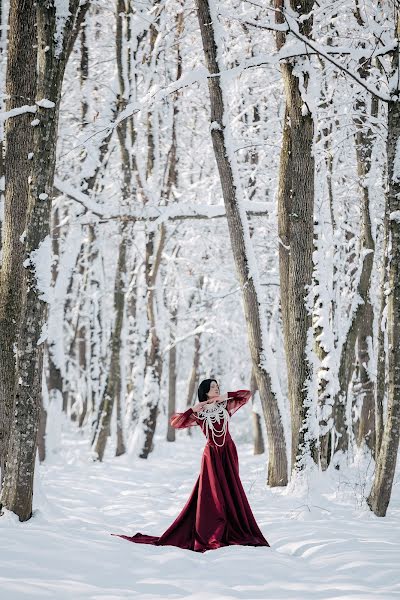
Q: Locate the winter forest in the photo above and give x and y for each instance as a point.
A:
(189, 190)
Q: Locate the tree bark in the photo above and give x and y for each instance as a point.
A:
(379, 497)
(53, 53)
(295, 228)
(258, 440)
(20, 91)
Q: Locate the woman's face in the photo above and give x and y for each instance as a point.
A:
(214, 390)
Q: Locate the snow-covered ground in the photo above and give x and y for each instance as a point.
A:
(324, 541)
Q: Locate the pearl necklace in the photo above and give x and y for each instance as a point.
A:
(212, 413)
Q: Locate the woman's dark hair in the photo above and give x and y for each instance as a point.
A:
(204, 387)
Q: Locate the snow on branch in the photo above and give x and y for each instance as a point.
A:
(15, 112)
(155, 214)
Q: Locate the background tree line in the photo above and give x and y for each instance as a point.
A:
(195, 188)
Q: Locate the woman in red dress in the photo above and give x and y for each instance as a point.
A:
(217, 512)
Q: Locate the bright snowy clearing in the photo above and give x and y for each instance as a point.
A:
(324, 544)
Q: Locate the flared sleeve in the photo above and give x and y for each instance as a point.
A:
(237, 399)
(185, 419)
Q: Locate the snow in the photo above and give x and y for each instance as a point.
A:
(324, 543)
(45, 103)
(62, 14)
(14, 112)
(40, 260)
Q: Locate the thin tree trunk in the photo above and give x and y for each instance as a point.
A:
(113, 384)
(172, 373)
(258, 440)
(381, 354)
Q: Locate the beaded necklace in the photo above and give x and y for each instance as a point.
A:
(215, 413)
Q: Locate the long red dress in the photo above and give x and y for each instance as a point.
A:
(217, 512)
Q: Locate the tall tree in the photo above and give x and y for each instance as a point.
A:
(55, 37)
(295, 223)
(380, 494)
(21, 92)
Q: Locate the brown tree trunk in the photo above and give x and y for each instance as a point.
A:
(172, 373)
(18, 483)
(295, 228)
(380, 494)
(258, 440)
(20, 91)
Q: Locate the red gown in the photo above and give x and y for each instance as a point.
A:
(217, 512)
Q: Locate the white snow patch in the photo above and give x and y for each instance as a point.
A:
(45, 103)
(40, 260)
(324, 542)
(62, 14)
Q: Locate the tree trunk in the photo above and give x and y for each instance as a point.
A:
(258, 440)
(242, 250)
(113, 384)
(172, 373)
(295, 228)
(20, 91)
(18, 484)
(379, 497)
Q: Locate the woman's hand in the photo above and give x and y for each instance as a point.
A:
(197, 407)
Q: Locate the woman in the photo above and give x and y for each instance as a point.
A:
(217, 512)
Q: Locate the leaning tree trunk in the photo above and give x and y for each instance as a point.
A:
(20, 91)
(295, 228)
(52, 57)
(379, 497)
(242, 250)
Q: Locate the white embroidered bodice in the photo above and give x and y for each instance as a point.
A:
(215, 413)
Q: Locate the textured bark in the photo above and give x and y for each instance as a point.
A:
(295, 228)
(172, 374)
(277, 465)
(381, 378)
(379, 497)
(20, 90)
(258, 440)
(18, 484)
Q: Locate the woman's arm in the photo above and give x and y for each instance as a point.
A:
(237, 399)
(185, 419)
